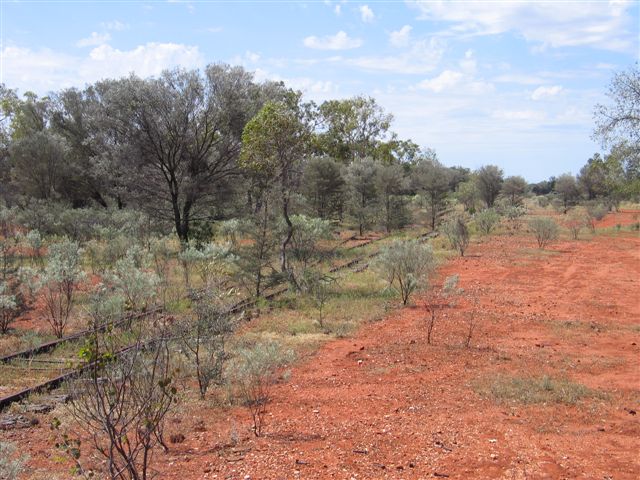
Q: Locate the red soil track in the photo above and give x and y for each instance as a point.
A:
(383, 404)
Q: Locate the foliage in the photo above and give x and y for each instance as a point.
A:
(595, 213)
(362, 192)
(457, 232)
(11, 464)
(135, 284)
(205, 337)
(391, 183)
(489, 180)
(543, 389)
(468, 195)
(307, 233)
(431, 181)
(574, 224)
(324, 188)
(59, 281)
(544, 229)
(566, 187)
(354, 128)
(620, 119)
(254, 370)
(12, 303)
(487, 220)
(273, 145)
(213, 262)
(406, 264)
(122, 399)
(514, 189)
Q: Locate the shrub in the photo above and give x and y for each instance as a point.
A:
(439, 298)
(11, 465)
(595, 213)
(574, 223)
(544, 229)
(211, 262)
(254, 372)
(457, 232)
(136, 285)
(58, 283)
(122, 399)
(405, 263)
(487, 220)
(11, 305)
(205, 338)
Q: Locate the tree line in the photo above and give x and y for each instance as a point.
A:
(189, 148)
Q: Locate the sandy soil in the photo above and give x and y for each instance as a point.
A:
(384, 404)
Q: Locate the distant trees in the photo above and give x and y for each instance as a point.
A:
(324, 187)
(390, 183)
(431, 181)
(514, 189)
(567, 189)
(489, 181)
(360, 177)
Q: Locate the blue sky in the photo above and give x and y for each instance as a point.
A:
(511, 83)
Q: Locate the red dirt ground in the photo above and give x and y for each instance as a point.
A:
(383, 404)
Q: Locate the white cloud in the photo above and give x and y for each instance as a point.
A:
(462, 81)
(423, 57)
(445, 81)
(366, 14)
(45, 69)
(337, 9)
(518, 78)
(94, 39)
(468, 63)
(603, 25)
(215, 29)
(400, 38)
(545, 92)
(339, 41)
(519, 115)
(115, 25)
(318, 90)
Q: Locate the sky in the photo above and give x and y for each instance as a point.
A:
(509, 83)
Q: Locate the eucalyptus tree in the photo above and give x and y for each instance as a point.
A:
(182, 135)
(619, 120)
(274, 143)
(352, 128)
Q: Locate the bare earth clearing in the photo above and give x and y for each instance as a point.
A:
(384, 404)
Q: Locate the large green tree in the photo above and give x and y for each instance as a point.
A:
(353, 128)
